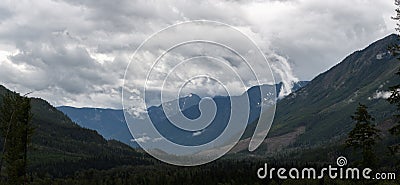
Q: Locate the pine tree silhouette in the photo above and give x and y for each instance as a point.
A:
(16, 131)
(364, 135)
(395, 90)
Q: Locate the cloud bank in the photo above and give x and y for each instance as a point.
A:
(75, 52)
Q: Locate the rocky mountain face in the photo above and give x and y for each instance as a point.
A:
(322, 109)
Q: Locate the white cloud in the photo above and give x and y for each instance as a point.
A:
(381, 95)
(145, 139)
(197, 133)
(75, 52)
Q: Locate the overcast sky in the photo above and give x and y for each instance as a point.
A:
(75, 52)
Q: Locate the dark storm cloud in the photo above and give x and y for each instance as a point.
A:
(5, 13)
(74, 52)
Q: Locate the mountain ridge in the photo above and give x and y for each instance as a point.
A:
(325, 105)
(85, 116)
(59, 142)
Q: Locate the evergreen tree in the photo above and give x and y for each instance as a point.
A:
(364, 135)
(395, 90)
(16, 131)
(395, 100)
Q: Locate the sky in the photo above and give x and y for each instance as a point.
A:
(75, 52)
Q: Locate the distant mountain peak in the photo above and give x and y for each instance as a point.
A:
(189, 100)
